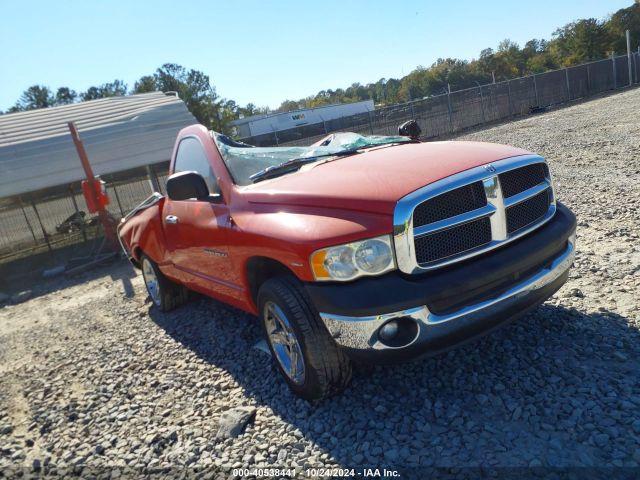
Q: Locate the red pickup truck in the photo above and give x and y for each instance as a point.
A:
(371, 249)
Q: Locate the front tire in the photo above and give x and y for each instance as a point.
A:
(307, 357)
(165, 294)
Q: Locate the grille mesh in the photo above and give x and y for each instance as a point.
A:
(527, 212)
(449, 204)
(521, 179)
(453, 241)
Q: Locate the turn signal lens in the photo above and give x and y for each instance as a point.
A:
(345, 262)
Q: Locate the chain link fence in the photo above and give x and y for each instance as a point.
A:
(455, 111)
(51, 228)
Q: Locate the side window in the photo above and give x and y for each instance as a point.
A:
(191, 157)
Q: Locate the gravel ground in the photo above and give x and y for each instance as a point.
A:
(92, 377)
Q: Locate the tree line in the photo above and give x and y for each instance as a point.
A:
(575, 43)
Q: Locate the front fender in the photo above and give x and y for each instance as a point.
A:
(292, 234)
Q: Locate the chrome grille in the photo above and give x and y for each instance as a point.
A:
(450, 204)
(527, 212)
(472, 212)
(521, 179)
(453, 241)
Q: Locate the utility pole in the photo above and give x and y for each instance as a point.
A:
(629, 56)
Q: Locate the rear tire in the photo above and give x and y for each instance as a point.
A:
(326, 369)
(165, 294)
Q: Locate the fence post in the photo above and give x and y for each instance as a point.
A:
(44, 232)
(115, 192)
(588, 80)
(153, 180)
(629, 57)
(535, 89)
(566, 77)
(26, 218)
(613, 63)
(75, 206)
(371, 123)
(449, 107)
(509, 98)
(484, 120)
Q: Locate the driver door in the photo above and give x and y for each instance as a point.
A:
(197, 230)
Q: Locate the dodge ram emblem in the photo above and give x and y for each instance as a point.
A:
(490, 168)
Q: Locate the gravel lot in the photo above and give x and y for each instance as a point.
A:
(92, 377)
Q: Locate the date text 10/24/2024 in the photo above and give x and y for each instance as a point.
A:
(317, 472)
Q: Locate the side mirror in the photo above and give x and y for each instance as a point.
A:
(186, 185)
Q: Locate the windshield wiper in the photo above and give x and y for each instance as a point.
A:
(294, 164)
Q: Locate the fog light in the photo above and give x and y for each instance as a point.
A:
(388, 330)
(398, 333)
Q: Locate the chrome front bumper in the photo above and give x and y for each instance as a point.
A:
(360, 334)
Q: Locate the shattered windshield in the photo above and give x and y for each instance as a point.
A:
(245, 161)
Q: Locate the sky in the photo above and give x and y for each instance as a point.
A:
(260, 51)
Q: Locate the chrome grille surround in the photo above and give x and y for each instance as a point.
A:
(495, 210)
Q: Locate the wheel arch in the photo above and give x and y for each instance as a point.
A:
(259, 269)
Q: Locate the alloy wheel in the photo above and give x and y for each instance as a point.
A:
(284, 342)
(151, 281)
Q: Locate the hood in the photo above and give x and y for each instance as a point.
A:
(375, 180)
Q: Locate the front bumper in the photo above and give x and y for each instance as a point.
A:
(440, 319)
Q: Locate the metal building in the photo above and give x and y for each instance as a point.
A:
(276, 122)
(119, 133)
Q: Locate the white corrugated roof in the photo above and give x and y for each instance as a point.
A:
(119, 133)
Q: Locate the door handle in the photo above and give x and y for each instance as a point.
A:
(171, 219)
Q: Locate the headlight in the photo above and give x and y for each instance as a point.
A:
(373, 256)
